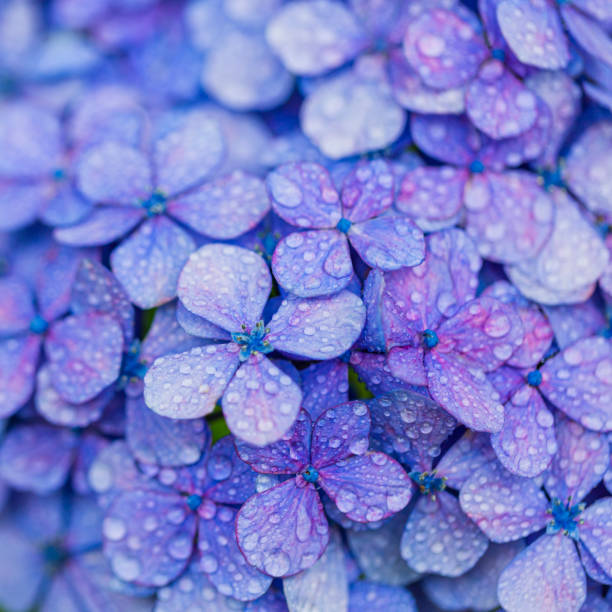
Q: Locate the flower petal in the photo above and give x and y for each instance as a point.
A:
(448, 542)
(363, 595)
(313, 263)
(227, 285)
(596, 533)
(84, 353)
(187, 385)
(283, 530)
(261, 402)
(16, 308)
(547, 575)
(163, 525)
(367, 487)
(506, 507)
(317, 328)
(149, 262)
(324, 385)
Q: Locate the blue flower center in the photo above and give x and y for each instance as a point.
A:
(552, 178)
(344, 225)
(155, 205)
(476, 167)
(131, 365)
(534, 378)
(194, 501)
(564, 518)
(430, 338)
(53, 554)
(499, 54)
(428, 482)
(59, 174)
(310, 474)
(253, 341)
(38, 325)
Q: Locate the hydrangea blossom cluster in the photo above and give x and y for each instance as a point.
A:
(305, 305)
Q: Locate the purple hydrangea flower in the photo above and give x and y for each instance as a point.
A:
(143, 189)
(182, 513)
(283, 529)
(549, 572)
(318, 262)
(439, 336)
(507, 213)
(224, 290)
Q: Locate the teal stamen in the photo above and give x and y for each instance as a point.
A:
(253, 341)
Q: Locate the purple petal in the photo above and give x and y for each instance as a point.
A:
(229, 479)
(261, 402)
(378, 554)
(574, 322)
(538, 333)
(506, 381)
(317, 328)
(464, 457)
(578, 381)
(594, 571)
(188, 385)
(374, 370)
(221, 559)
(526, 443)
(409, 427)
(579, 464)
(56, 410)
(289, 455)
(224, 208)
(407, 365)
(227, 285)
(96, 289)
(588, 33)
(304, 195)
(104, 225)
(496, 88)
(16, 308)
(64, 205)
(542, 45)
(509, 215)
(31, 198)
(443, 49)
(22, 568)
(33, 137)
(434, 193)
(313, 38)
(91, 445)
(452, 543)
(149, 262)
(588, 166)
(410, 91)
(324, 585)
(37, 457)
(547, 575)
(56, 277)
(324, 385)
(367, 487)
(313, 263)
(367, 190)
(470, 398)
(114, 173)
(84, 353)
(388, 242)
(163, 525)
(162, 441)
(477, 588)
(195, 325)
(506, 507)
(193, 591)
(485, 332)
(283, 530)
(186, 149)
(167, 336)
(450, 139)
(596, 533)
(353, 112)
(364, 595)
(339, 432)
(562, 96)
